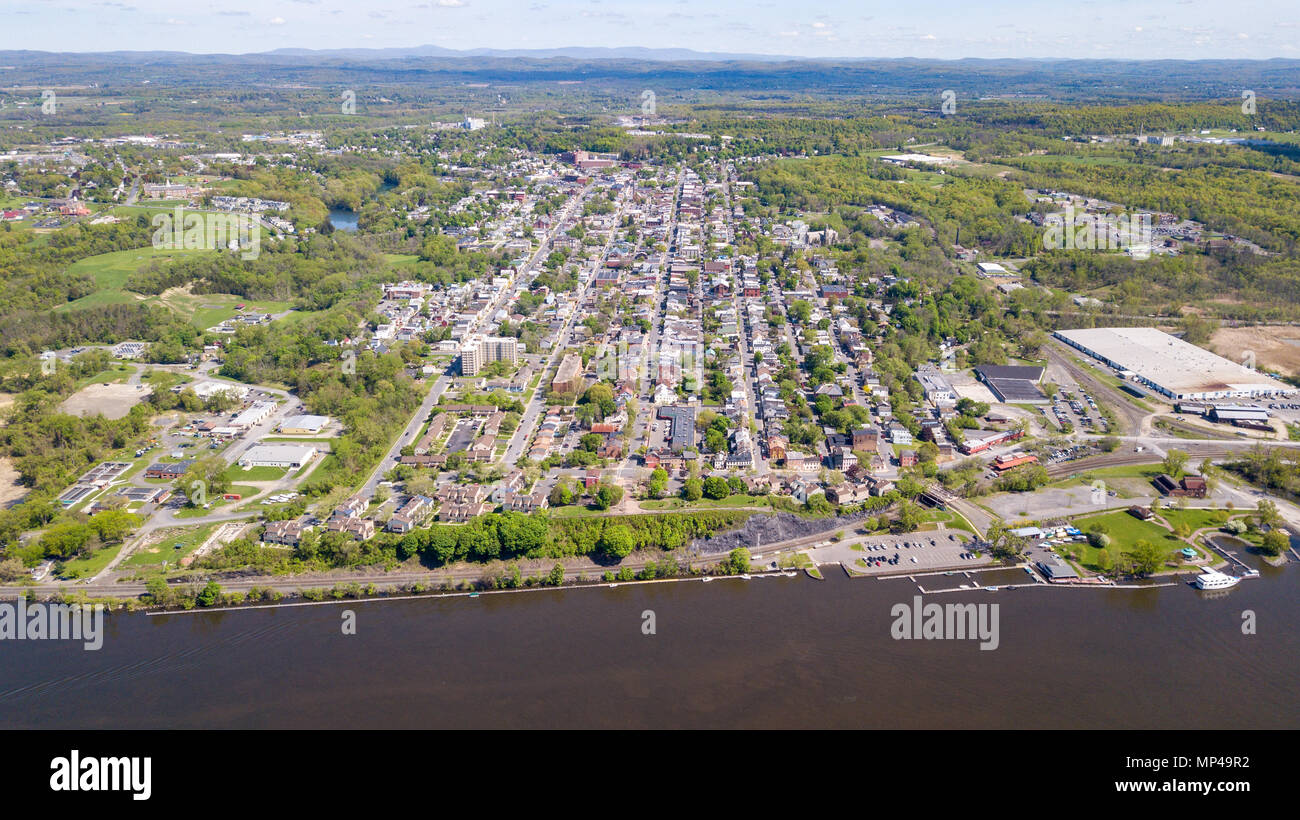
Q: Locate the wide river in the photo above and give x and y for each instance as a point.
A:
(767, 652)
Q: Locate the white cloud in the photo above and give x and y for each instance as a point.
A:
(276, 21)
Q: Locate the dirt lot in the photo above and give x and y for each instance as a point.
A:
(10, 490)
(113, 400)
(1276, 347)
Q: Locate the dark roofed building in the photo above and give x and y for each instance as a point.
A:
(168, 470)
(1013, 384)
(1192, 486)
(682, 419)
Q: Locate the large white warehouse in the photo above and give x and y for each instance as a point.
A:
(1170, 366)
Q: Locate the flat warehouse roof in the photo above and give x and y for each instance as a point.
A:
(293, 453)
(1016, 390)
(1168, 363)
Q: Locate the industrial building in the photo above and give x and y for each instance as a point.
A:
(682, 419)
(303, 425)
(936, 387)
(277, 455)
(1170, 366)
(254, 413)
(1013, 384)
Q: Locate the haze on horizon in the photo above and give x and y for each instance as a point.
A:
(928, 29)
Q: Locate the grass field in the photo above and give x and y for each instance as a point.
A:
(245, 492)
(116, 373)
(111, 270)
(166, 550)
(237, 473)
(91, 564)
(1196, 519)
(1125, 531)
(401, 260)
(705, 503)
(950, 520)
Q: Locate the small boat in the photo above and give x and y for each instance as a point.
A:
(473, 595)
(991, 589)
(1213, 579)
(708, 578)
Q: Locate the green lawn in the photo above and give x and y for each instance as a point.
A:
(1145, 472)
(243, 490)
(401, 260)
(949, 519)
(237, 473)
(704, 503)
(1125, 530)
(114, 374)
(91, 564)
(111, 270)
(1197, 519)
(165, 549)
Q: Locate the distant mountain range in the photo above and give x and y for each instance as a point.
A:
(669, 69)
(572, 52)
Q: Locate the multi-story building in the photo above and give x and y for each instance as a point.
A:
(479, 351)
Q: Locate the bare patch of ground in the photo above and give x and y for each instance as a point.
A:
(1276, 347)
(113, 400)
(967, 387)
(11, 492)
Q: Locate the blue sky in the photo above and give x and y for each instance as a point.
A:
(947, 29)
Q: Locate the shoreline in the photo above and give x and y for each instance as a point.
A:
(1172, 580)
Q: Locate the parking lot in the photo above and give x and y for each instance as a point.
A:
(1287, 411)
(1079, 410)
(463, 435)
(907, 552)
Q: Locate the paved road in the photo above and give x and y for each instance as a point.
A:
(407, 436)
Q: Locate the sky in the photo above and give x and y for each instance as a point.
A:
(943, 29)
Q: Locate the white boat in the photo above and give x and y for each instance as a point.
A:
(1213, 579)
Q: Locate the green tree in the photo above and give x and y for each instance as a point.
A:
(1275, 541)
(658, 483)
(1266, 514)
(608, 496)
(560, 495)
(617, 541)
(210, 595)
(1146, 557)
(737, 561)
(692, 489)
(715, 487)
(1175, 463)
(556, 576)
